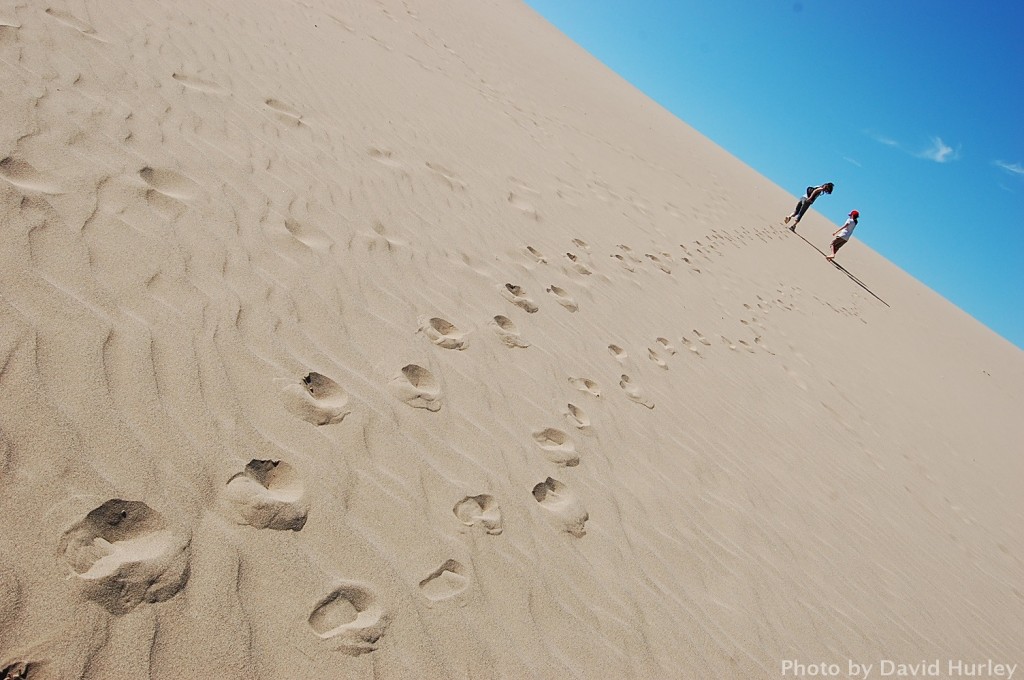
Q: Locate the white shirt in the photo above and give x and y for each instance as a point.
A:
(846, 231)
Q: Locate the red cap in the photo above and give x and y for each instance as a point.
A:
(854, 214)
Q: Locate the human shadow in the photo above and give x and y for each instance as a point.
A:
(844, 270)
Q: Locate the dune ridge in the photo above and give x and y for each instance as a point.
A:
(406, 340)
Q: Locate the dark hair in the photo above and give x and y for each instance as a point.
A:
(828, 186)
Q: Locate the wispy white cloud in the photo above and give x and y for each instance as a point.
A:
(1012, 168)
(939, 151)
(882, 139)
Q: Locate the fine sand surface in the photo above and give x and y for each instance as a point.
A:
(404, 340)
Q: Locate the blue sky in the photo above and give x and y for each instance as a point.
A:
(912, 107)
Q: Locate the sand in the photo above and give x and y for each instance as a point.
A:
(405, 340)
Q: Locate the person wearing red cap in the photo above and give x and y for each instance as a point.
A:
(843, 234)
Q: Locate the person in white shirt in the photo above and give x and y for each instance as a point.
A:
(843, 234)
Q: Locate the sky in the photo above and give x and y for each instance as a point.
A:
(913, 108)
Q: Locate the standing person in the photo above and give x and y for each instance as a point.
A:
(843, 234)
(805, 202)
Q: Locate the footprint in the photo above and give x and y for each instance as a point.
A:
(578, 266)
(482, 510)
(634, 392)
(580, 243)
(689, 345)
(200, 84)
(653, 356)
(447, 176)
(443, 333)
(417, 387)
(124, 553)
(349, 618)
(577, 416)
(556, 498)
(508, 332)
(517, 296)
(586, 385)
(317, 400)
(727, 342)
(74, 22)
(445, 582)
(629, 253)
(661, 265)
(619, 353)
(557, 447)
(523, 205)
(747, 346)
(22, 175)
(285, 112)
(169, 183)
(268, 494)
(563, 298)
(536, 254)
(19, 670)
(384, 157)
(310, 236)
(624, 263)
(666, 345)
(701, 339)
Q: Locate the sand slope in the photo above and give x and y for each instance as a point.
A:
(403, 340)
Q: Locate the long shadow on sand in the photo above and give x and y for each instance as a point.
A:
(844, 270)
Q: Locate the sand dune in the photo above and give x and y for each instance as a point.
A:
(404, 340)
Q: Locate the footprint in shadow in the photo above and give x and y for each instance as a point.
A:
(619, 353)
(169, 183)
(200, 84)
(523, 206)
(577, 416)
(20, 670)
(24, 176)
(443, 333)
(563, 298)
(508, 332)
(124, 553)
(557, 447)
(285, 112)
(624, 262)
(309, 236)
(445, 582)
(578, 266)
(536, 255)
(417, 387)
(480, 510)
(561, 502)
(659, 263)
(701, 339)
(586, 385)
(633, 392)
(349, 618)
(656, 358)
(74, 22)
(268, 494)
(517, 296)
(447, 177)
(666, 345)
(317, 400)
(384, 157)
